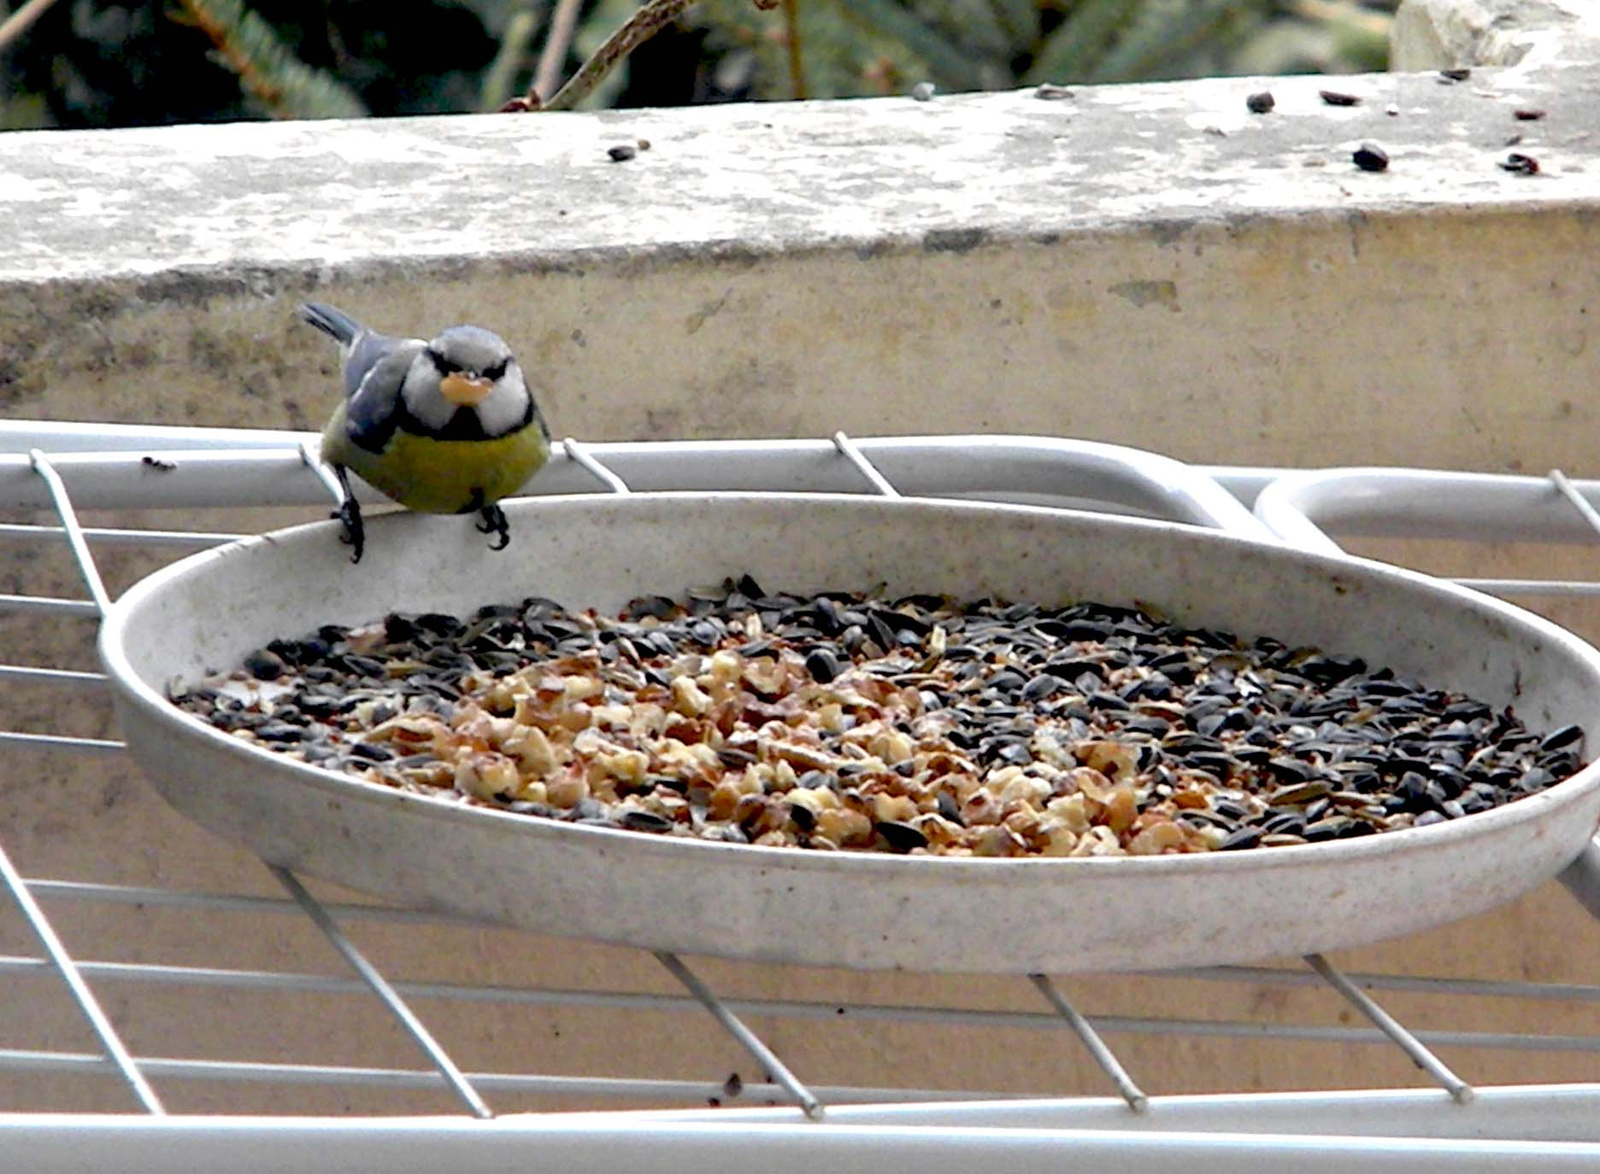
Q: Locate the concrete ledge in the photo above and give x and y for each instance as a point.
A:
(1151, 265)
(1439, 34)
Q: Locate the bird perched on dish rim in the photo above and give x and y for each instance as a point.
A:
(446, 426)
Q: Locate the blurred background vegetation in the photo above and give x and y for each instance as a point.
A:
(94, 63)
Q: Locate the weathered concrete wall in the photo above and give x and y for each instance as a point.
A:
(1151, 265)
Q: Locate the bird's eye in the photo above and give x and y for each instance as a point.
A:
(443, 365)
(497, 372)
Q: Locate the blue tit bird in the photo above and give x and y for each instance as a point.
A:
(442, 427)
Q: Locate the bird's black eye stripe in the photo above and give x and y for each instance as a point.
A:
(443, 365)
(496, 372)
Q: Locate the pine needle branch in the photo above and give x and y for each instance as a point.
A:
(950, 63)
(1166, 35)
(275, 77)
(1077, 46)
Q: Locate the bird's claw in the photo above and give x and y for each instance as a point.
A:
(494, 522)
(354, 534)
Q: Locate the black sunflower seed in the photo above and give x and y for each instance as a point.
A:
(902, 837)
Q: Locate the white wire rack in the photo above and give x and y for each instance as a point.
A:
(68, 468)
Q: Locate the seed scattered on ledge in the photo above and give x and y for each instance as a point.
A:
(919, 725)
(924, 91)
(1371, 157)
(1260, 103)
(1450, 76)
(1053, 93)
(1335, 98)
(622, 152)
(1526, 115)
(1519, 164)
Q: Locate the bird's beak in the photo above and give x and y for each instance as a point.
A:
(465, 390)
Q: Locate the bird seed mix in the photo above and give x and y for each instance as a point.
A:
(854, 722)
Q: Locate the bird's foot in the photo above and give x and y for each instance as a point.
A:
(494, 522)
(354, 534)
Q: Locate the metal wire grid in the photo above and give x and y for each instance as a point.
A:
(104, 462)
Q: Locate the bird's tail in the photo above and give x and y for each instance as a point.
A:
(330, 321)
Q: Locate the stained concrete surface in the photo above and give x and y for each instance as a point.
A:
(1147, 264)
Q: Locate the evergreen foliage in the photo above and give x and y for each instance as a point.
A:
(101, 63)
(284, 86)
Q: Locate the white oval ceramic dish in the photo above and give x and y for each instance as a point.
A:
(847, 909)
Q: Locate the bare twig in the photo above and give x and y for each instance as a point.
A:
(791, 27)
(562, 25)
(21, 20)
(640, 27)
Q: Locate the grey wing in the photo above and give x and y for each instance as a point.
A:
(373, 376)
(365, 352)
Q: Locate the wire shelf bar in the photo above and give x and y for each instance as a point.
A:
(1408, 1043)
(184, 539)
(116, 1051)
(69, 468)
(829, 1011)
(1554, 588)
(734, 1026)
(852, 452)
(26, 674)
(60, 742)
(625, 1000)
(69, 523)
(407, 1018)
(310, 458)
(499, 1083)
(50, 606)
(1561, 1112)
(425, 1145)
(1104, 476)
(1090, 1038)
(591, 465)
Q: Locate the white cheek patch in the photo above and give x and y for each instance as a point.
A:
(501, 411)
(422, 396)
(505, 406)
